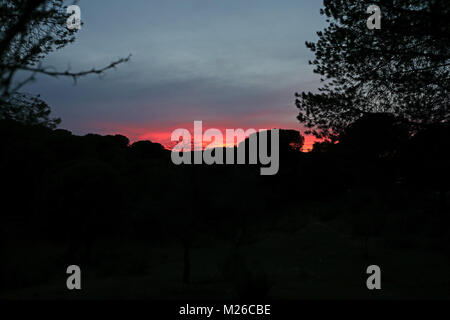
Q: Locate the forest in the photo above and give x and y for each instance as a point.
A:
(372, 191)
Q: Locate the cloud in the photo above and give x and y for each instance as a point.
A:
(236, 62)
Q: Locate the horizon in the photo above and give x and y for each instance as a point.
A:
(309, 140)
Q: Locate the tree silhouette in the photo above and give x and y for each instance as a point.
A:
(403, 68)
(28, 109)
(375, 135)
(89, 196)
(29, 31)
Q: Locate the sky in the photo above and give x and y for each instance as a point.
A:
(230, 64)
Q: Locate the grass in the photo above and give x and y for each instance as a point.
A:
(314, 261)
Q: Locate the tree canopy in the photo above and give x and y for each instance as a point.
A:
(402, 68)
(29, 31)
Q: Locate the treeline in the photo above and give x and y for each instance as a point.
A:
(75, 190)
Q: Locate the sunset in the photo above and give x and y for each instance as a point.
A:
(207, 159)
(223, 63)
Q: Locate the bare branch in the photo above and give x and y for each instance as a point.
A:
(75, 75)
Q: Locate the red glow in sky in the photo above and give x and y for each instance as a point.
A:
(163, 135)
(162, 132)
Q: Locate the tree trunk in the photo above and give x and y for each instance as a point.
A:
(366, 248)
(186, 261)
(442, 200)
(87, 250)
(2, 259)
